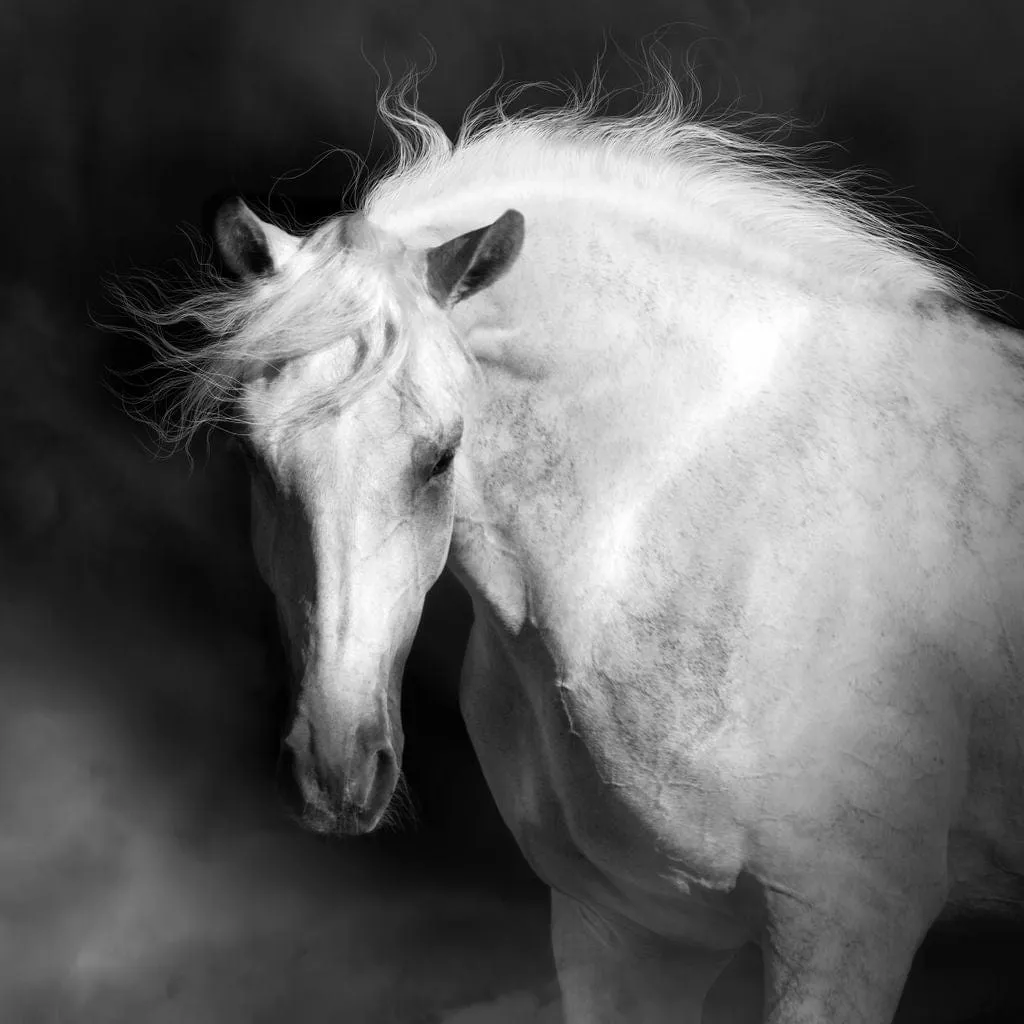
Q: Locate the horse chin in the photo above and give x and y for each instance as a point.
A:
(341, 822)
(345, 795)
(317, 810)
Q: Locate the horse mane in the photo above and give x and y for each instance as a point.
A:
(664, 147)
(726, 164)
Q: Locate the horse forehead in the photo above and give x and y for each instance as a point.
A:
(356, 231)
(279, 386)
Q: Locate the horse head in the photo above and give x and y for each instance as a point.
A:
(351, 421)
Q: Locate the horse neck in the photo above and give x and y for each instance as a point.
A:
(604, 355)
(625, 328)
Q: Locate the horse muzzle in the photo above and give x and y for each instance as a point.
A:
(343, 788)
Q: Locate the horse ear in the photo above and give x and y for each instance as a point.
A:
(465, 265)
(249, 246)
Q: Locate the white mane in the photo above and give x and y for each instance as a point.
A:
(753, 193)
(756, 191)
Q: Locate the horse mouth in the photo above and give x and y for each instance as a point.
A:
(308, 805)
(326, 821)
(347, 797)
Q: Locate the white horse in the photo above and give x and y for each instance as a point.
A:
(735, 481)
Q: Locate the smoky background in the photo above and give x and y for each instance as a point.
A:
(147, 869)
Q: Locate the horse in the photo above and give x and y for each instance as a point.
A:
(733, 472)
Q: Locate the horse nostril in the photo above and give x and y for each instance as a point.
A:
(385, 763)
(382, 776)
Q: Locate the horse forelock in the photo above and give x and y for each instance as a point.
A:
(349, 283)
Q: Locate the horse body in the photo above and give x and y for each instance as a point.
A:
(761, 574)
(738, 503)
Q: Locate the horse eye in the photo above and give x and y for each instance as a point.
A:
(442, 463)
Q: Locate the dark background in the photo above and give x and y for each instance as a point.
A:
(147, 870)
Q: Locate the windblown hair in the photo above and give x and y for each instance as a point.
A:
(755, 191)
(229, 330)
(725, 165)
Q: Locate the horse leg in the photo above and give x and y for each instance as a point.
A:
(611, 971)
(844, 961)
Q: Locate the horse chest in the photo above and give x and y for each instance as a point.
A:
(605, 840)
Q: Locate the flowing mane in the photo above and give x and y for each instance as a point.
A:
(667, 152)
(744, 192)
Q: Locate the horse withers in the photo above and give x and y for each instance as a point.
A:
(734, 479)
